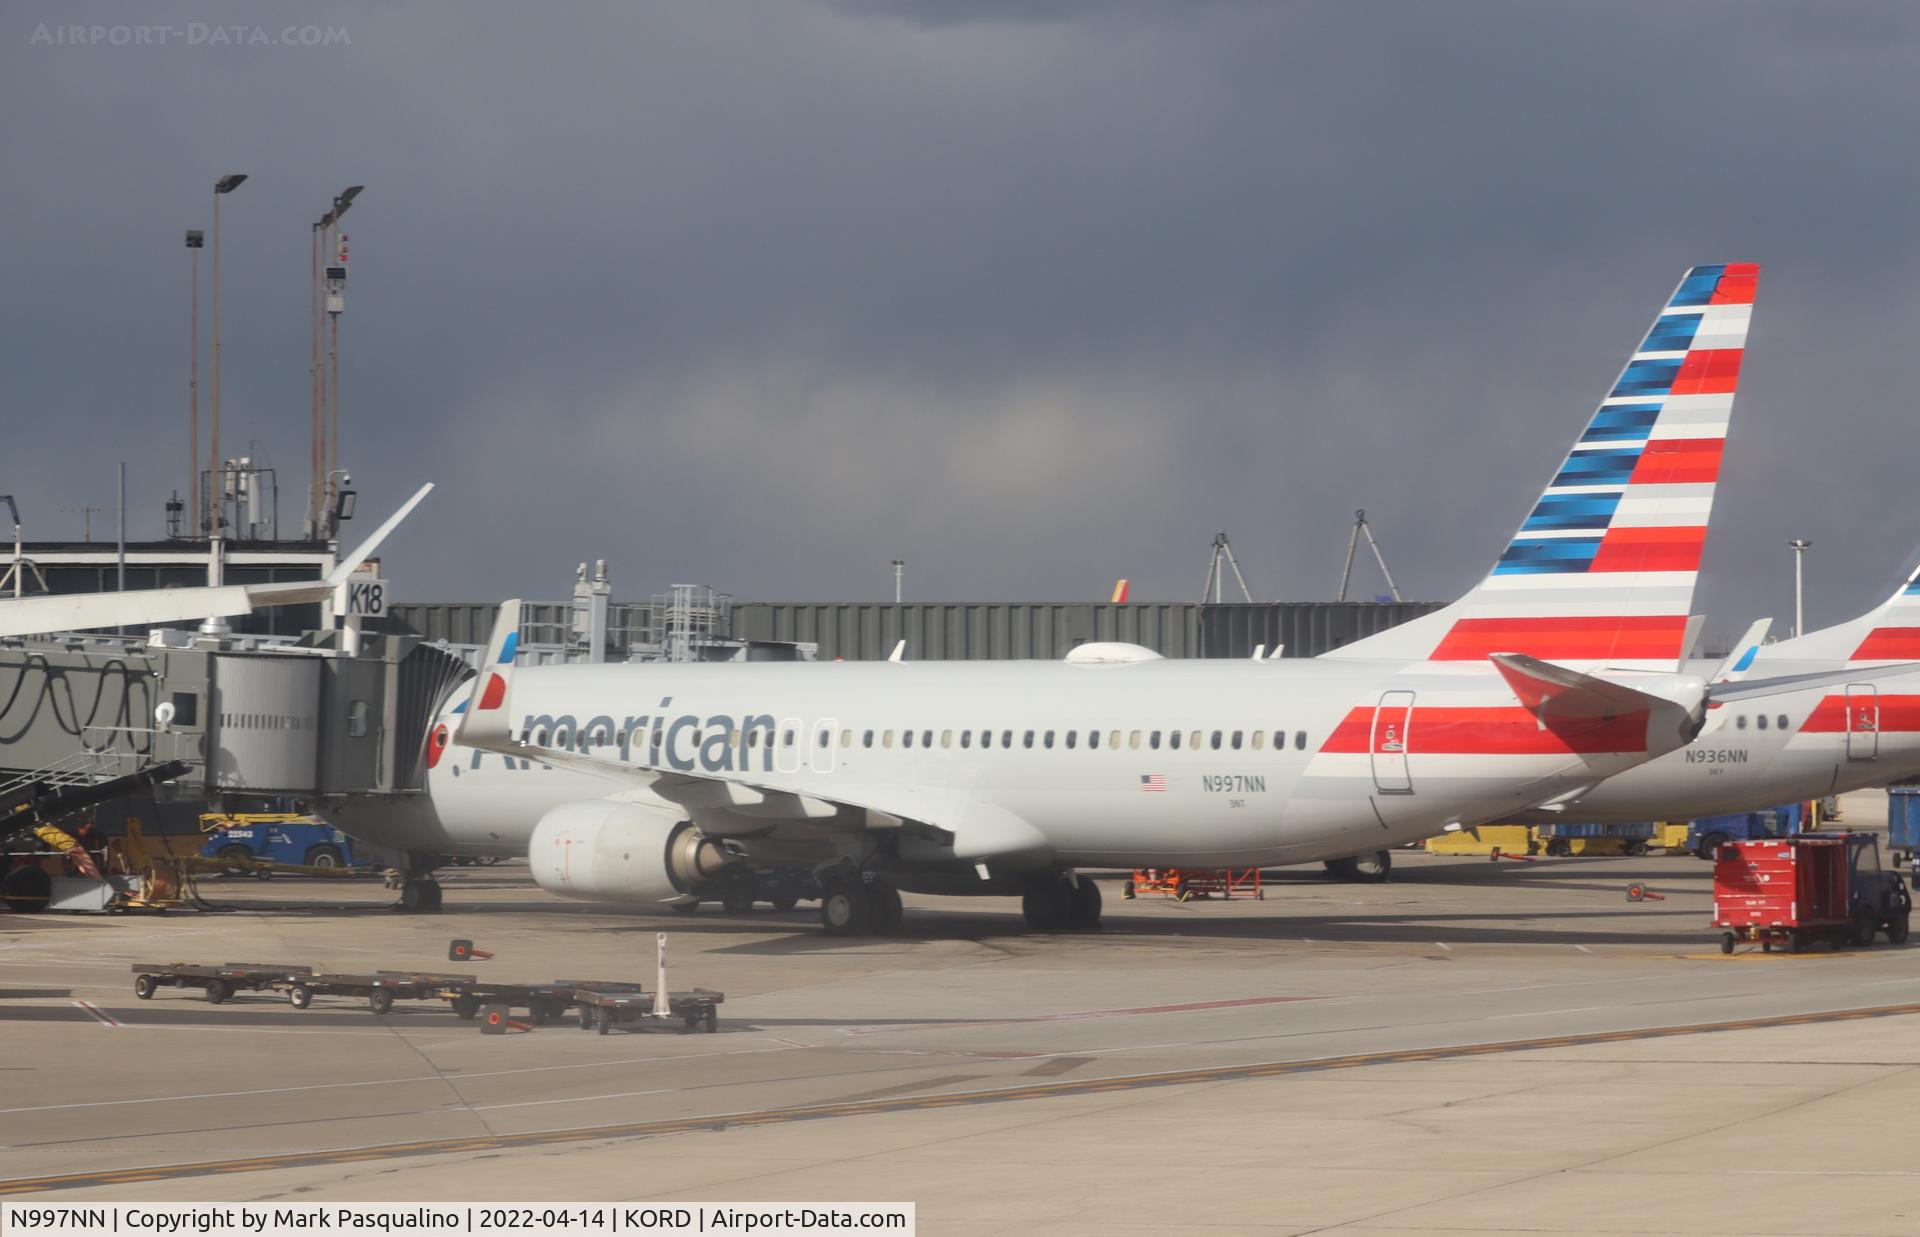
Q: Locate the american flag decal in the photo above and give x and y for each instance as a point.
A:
(1151, 782)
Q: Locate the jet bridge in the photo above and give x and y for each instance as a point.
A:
(248, 716)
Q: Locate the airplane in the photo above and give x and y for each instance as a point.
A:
(27, 616)
(1822, 740)
(642, 783)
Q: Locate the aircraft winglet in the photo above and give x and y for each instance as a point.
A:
(487, 719)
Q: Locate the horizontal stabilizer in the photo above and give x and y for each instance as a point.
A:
(1726, 693)
(1744, 651)
(1558, 692)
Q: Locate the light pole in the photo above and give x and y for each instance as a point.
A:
(221, 188)
(1799, 545)
(322, 243)
(336, 303)
(195, 239)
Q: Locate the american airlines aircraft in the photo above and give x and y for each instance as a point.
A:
(1821, 740)
(643, 783)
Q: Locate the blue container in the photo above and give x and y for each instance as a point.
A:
(1903, 817)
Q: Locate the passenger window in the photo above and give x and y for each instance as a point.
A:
(1173, 739)
(926, 738)
(846, 738)
(1006, 738)
(1113, 739)
(826, 738)
(1069, 737)
(1153, 741)
(886, 738)
(1133, 740)
(906, 738)
(1761, 721)
(1216, 741)
(786, 740)
(1236, 740)
(1193, 740)
(867, 739)
(1740, 722)
(1029, 739)
(1783, 721)
(1047, 739)
(946, 738)
(1300, 740)
(966, 738)
(1259, 739)
(1093, 738)
(986, 738)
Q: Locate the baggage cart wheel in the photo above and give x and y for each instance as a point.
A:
(1790, 942)
(1726, 942)
(300, 996)
(466, 1008)
(1766, 945)
(1897, 928)
(737, 897)
(1127, 891)
(712, 1019)
(586, 1017)
(218, 990)
(603, 1020)
(689, 1022)
(380, 1000)
(143, 986)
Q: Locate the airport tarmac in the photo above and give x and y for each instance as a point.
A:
(1472, 1047)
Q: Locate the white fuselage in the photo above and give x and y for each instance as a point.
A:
(1155, 763)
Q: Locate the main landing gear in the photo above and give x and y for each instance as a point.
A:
(1367, 869)
(1057, 902)
(853, 904)
(419, 892)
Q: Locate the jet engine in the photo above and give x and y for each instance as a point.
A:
(608, 851)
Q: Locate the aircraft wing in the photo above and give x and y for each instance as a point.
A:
(738, 802)
(22, 616)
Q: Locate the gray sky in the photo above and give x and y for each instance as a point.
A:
(1030, 295)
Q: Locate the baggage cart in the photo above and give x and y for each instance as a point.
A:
(379, 989)
(604, 1010)
(217, 980)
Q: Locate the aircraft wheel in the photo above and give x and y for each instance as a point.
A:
(1047, 903)
(737, 896)
(845, 909)
(1083, 914)
(887, 912)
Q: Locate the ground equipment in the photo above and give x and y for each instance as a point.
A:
(1812, 887)
(1185, 884)
(218, 981)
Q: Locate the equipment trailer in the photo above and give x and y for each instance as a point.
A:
(218, 982)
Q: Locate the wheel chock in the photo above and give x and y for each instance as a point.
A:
(1497, 855)
(463, 951)
(496, 1020)
(1638, 892)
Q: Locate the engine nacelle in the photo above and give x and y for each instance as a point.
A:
(608, 851)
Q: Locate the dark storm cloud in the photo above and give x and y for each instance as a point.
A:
(1032, 296)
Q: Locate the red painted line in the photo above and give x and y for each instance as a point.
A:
(1082, 1015)
(99, 1015)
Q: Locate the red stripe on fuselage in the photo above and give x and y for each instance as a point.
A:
(1889, 644)
(1670, 461)
(1896, 715)
(1650, 549)
(1577, 637)
(1491, 730)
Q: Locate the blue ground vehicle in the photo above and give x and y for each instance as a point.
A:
(1709, 833)
(277, 838)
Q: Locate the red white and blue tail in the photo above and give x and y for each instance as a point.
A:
(1888, 633)
(1602, 571)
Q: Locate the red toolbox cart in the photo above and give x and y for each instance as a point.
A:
(1814, 887)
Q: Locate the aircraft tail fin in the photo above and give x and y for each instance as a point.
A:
(1602, 570)
(486, 720)
(1889, 632)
